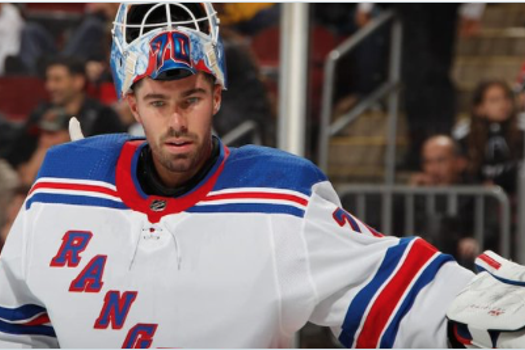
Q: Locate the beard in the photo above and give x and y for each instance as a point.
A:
(185, 161)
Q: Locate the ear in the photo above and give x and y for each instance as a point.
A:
(131, 99)
(217, 98)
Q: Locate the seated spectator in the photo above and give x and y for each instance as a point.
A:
(11, 27)
(15, 204)
(444, 165)
(53, 131)
(65, 83)
(248, 18)
(91, 40)
(492, 138)
(24, 44)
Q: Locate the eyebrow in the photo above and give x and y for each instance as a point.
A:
(153, 96)
(157, 96)
(193, 91)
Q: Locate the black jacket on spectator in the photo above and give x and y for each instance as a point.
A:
(95, 118)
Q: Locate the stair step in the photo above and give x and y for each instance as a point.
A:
(504, 15)
(499, 42)
(469, 71)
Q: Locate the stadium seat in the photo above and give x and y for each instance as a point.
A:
(19, 95)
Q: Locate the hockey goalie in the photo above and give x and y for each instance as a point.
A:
(177, 241)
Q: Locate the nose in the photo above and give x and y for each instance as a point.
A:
(178, 121)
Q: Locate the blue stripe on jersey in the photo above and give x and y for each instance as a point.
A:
(92, 158)
(74, 200)
(248, 208)
(361, 301)
(501, 279)
(23, 312)
(424, 279)
(257, 166)
(21, 329)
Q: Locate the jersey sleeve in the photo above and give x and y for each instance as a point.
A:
(24, 321)
(374, 290)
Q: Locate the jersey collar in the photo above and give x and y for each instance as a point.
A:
(155, 207)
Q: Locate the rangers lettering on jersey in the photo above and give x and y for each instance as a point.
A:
(140, 336)
(115, 309)
(90, 279)
(73, 243)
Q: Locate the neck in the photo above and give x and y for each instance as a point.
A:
(154, 182)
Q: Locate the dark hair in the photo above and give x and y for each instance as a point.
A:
(479, 126)
(74, 65)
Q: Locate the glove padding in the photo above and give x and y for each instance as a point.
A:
(490, 311)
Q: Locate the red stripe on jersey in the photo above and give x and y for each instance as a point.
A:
(491, 262)
(133, 199)
(377, 319)
(75, 187)
(40, 320)
(257, 195)
(374, 231)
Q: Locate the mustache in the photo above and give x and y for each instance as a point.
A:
(176, 133)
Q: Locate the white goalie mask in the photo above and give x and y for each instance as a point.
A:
(165, 41)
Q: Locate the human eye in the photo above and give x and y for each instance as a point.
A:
(193, 100)
(190, 101)
(157, 104)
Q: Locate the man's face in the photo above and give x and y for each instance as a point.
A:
(177, 119)
(441, 164)
(61, 85)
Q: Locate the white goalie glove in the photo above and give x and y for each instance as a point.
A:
(75, 131)
(490, 311)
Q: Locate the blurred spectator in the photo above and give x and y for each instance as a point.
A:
(444, 165)
(15, 204)
(24, 44)
(492, 138)
(246, 97)
(248, 18)
(65, 83)
(53, 131)
(441, 162)
(11, 26)
(91, 40)
(429, 32)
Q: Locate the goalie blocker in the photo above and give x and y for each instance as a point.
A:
(490, 311)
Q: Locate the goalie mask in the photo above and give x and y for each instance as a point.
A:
(165, 41)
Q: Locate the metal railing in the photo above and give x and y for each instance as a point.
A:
(452, 194)
(390, 88)
(247, 128)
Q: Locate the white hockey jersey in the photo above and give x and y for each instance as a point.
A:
(257, 249)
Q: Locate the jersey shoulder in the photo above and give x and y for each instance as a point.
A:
(257, 166)
(92, 158)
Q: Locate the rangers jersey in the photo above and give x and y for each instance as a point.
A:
(258, 248)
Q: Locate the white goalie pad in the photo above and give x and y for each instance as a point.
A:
(490, 311)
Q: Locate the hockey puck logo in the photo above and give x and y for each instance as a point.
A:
(158, 205)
